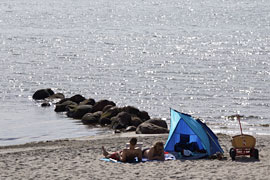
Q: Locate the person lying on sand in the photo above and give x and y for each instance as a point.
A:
(156, 152)
(126, 155)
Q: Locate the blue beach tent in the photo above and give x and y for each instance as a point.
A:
(183, 124)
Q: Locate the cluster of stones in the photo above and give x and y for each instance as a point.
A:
(103, 112)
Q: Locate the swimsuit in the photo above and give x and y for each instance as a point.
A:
(115, 156)
(144, 151)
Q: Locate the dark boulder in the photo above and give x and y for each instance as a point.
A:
(45, 104)
(101, 104)
(104, 121)
(113, 111)
(42, 94)
(115, 123)
(71, 108)
(143, 115)
(122, 120)
(153, 126)
(135, 121)
(107, 108)
(50, 91)
(91, 118)
(77, 98)
(131, 110)
(57, 96)
(79, 111)
(63, 100)
(149, 128)
(63, 106)
(158, 122)
(89, 101)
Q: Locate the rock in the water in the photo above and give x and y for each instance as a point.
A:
(158, 122)
(57, 96)
(101, 104)
(77, 98)
(153, 126)
(63, 100)
(104, 121)
(89, 101)
(122, 120)
(113, 111)
(135, 121)
(104, 112)
(106, 108)
(115, 123)
(42, 94)
(143, 115)
(45, 104)
(131, 110)
(63, 106)
(79, 111)
(91, 118)
(149, 128)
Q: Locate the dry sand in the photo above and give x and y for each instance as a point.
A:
(80, 159)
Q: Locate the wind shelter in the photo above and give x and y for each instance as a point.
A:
(184, 124)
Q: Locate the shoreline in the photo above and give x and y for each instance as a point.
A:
(79, 158)
(105, 136)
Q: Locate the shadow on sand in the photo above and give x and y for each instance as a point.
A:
(245, 159)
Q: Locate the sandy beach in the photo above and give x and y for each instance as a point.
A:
(80, 159)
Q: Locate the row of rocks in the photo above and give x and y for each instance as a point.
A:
(103, 112)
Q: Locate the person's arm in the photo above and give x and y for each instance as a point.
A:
(162, 156)
(139, 155)
(123, 156)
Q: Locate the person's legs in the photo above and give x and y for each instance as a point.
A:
(113, 155)
(105, 153)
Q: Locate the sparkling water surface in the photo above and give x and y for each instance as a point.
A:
(208, 58)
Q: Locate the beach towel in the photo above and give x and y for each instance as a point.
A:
(168, 156)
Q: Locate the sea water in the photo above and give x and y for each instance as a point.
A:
(208, 58)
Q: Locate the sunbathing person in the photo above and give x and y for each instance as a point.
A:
(156, 152)
(126, 155)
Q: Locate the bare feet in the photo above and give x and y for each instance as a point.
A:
(105, 153)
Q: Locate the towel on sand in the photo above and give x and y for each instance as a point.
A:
(168, 156)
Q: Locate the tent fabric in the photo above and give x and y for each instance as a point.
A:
(215, 147)
(199, 132)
